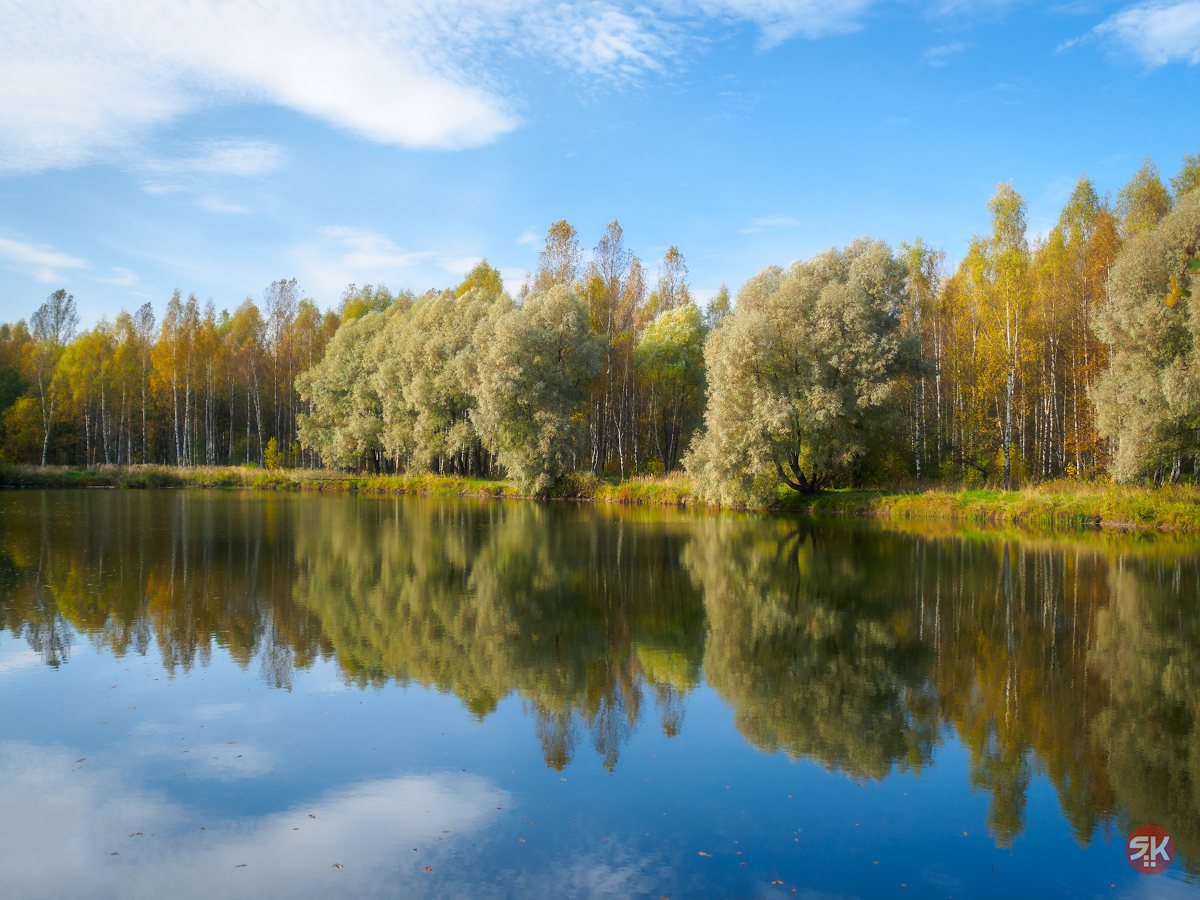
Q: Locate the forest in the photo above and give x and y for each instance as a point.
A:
(1067, 354)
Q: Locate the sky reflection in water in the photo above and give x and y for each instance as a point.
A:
(221, 694)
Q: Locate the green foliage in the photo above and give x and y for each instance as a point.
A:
(346, 422)
(1188, 176)
(484, 278)
(1143, 202)
(424, 365)
(537, 360)
(670, 359)
(357, 302)
(801, 375)
(1148, 402)
(271, 456)
(717, 309)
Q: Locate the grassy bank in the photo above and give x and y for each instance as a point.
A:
(1061, 504)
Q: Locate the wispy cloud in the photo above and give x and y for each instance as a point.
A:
(41, 261)
(217, 205)
(936, 57)
(82, 80)
(528, 238)
(372, 253)
(775, 221)
(207, 166)
(1157, 33)
(121, 277)
(458, 265)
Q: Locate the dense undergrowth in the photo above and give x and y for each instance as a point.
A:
(1057, 504)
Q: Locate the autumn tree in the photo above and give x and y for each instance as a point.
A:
(560, 260)
(532, 380)
(670, 360)
(1148, 402)
(802, 375)
(1143, 202)
(54, 325)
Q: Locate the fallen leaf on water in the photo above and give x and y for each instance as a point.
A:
(114, 854)
(134, 707)
(81, 760)
(427, 869)
(702, 853)
(311, 816)
(338, 866)
(136, 833)
(522, 840)
(776, 881)
(240, 866)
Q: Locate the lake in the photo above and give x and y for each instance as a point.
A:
(223, 694)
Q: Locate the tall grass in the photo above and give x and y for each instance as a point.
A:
(1057, 504)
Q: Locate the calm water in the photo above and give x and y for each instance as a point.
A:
(226, 695)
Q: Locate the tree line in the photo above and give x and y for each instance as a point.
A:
(1066, 354)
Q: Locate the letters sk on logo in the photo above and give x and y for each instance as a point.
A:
(1150, 850)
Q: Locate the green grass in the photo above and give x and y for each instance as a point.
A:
(1056, 505)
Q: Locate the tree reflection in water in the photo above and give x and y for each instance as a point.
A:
(854, 646)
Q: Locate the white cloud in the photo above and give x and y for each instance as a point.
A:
(1158, 33)
(84, 80)
(775, 221)
(459, 265)
(528, 238)
(783, 19)
(217, 205)
(936, 57)
(121, 277)
(513, 279)
(237, 158)
(61, 826)
(371, 253)
(41, 261)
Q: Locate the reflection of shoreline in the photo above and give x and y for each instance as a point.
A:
(852, 646)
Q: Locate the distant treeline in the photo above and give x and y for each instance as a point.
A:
(1068, 355)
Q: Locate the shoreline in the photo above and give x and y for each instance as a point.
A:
(1060, 505)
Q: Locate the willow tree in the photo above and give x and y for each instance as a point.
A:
(802, 374)
(531, 386)
(424, 373)
(1148, 402)
(346, 420)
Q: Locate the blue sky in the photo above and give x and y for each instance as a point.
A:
(215, 146)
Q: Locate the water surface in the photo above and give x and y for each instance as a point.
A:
(208, 694)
